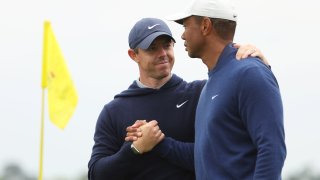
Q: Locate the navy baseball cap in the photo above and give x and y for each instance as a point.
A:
(146, 30)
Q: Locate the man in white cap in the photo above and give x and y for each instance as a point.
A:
(239, 130)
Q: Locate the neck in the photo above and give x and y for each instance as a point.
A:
(154, 83)
(213, 51)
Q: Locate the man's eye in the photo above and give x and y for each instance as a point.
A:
(151, 48)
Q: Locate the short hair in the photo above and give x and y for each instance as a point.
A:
(224, 28)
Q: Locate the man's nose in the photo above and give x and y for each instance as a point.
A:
(162, 51)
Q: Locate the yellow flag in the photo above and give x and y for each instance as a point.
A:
(62, 95)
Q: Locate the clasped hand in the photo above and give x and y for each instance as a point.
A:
(144, 135)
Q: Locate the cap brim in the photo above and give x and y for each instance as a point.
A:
(178, 18)
(148, 40)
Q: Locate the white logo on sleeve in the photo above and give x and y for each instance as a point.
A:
(179, 105)
(151, 27)
(214, 96)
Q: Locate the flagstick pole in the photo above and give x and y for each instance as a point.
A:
(41, 137)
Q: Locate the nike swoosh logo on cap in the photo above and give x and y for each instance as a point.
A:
(179, 105)
(150, 27)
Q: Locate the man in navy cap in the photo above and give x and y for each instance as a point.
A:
(157, 96)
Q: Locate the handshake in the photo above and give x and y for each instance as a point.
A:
(144, 135)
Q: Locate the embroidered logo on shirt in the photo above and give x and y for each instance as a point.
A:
(179, 105)
(214, 96)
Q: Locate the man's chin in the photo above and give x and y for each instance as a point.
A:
(164, 74)
(191, 55)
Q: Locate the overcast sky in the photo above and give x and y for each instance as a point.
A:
(93, 37)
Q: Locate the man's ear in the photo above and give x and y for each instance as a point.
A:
(133, 55)
(206, 25)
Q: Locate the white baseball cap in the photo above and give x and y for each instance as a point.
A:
(221, 9)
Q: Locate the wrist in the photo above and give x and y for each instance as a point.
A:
(135, 150)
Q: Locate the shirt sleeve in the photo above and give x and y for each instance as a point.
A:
(176, 152)
(262, 112)
(110, 158)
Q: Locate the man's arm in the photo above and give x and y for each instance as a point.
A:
(247, 50)
(262, 112)
(111, 158)
(176, 152)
